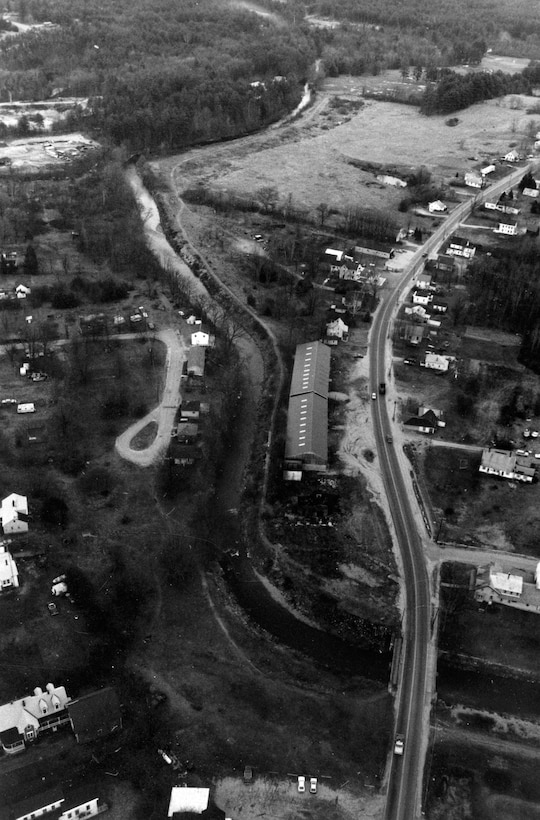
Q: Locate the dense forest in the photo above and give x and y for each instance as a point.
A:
(164, 75)
(504, 293)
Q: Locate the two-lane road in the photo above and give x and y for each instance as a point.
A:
(414, 688)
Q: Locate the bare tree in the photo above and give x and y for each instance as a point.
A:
(323, 209)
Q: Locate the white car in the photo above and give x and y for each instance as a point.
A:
(374, 396)
(313, 785)
(399, 745)
(301, 783)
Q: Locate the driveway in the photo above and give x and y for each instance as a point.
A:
(164, 414)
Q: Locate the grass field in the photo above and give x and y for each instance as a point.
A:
(309, 159)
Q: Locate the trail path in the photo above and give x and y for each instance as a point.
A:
(164, 413)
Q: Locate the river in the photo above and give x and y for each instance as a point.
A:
(254, 596)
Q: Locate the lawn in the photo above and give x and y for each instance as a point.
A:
(479, 509)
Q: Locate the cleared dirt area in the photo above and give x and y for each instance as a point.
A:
(38, 152)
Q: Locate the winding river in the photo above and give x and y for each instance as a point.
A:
(253, 595)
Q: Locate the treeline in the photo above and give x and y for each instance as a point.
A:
(504, 293)
(352, 221)
(459, 29)
(455, 91)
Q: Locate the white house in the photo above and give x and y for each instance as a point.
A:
(532, 192)
(21, 291)
(14, 514)
(506, 584)
(338, 328)
(487, 170)
(201, 339)
(506, 464)
(435, 362)
(420, 297)
(511, 156)
(473, 179)
(436, 207)
(423, 281)
(508, 228)
(460, 247)
(22, 720)
(188, 799)
(9, 576)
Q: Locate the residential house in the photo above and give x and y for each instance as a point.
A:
(338, 329)
(192, 320)
(21, 291)
(506, 464)
(349, 270)
(422, 423)
(499, 206)
(9, 575)
(532, 192)
(196, 358)
(332, 257)
(202, 339)
(508, 228)
(411, 332)
(512, 156)
(435, 362)
(511, 586)
(387, 179)
(184, 455)
(457, 246)
(95, 715)
(439, 414)
(436, 207)
(187, 433)
(423, 281)
(488, 169)
(190, 410)
(14, 514)
(21, 721)
(421, 297)
(438, 306)
(76, 803)
(474, 179)
(444, 263)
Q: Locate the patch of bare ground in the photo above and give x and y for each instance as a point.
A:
(144, 437)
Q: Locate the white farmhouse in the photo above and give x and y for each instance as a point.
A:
(9, 576)
(14, 514)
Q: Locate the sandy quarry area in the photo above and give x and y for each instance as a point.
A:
(37, 152)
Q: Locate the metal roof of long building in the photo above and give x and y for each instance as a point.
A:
(311, 371)
(307, 427)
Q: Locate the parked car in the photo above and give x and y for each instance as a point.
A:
(409, 361)
(53, 609)
(313, 785)
(301, 783)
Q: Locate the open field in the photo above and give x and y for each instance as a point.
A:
(311, 163)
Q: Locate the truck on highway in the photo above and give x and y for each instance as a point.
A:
(382, 388)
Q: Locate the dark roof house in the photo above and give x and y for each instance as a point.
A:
(95, 715)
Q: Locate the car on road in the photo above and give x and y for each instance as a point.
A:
(399, 745)
(409, 361)
(374, 396)
(389, 439)
(53, 609)
(313, 785)
(301, 783)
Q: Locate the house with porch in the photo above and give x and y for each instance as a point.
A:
(338, 329)
(507, 464)
(22, 720)
(435, 362)
(507, 228)
(421, 297)
(422, 423)
(457, 246)
(437, 207)
(423, 281)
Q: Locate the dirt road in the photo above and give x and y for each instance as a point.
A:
(164, 413)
